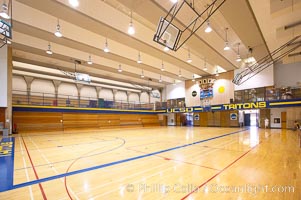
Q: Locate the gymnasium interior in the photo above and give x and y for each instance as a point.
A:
(150, 99)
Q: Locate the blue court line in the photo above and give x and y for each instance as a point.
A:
(7, 164)
(115, 163)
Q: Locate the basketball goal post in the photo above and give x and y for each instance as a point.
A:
(182, 21)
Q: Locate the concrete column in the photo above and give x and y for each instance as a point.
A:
(139, 94)
(28, 81)
(128, 96)
(56, 84)
(98, 89)
(114, 94)
(79, 87)
(149, 97)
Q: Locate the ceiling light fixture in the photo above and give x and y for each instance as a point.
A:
(189, 60)
(162, 67)
(106, 49)
(238, 58)
(120, 69)
(139, 61)
(208, 28)
(160, 80)
(226, 48)
(48, 51)
(4, 11)
(74, 3)
(7, 41)
(217, 74)
(193, 79)
(174, 1)
(58, 30)
(90, 60)
(131, 29)
(179, 75)
(142, 74)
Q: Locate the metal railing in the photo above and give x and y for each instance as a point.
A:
(50, 99)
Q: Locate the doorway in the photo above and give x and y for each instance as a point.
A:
(251, 117)
(189, 119)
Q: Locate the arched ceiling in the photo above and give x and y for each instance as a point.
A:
(86, 28)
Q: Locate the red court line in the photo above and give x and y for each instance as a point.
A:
(34, 170)
(219, 172)
(165, 158)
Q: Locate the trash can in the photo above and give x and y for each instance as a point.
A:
(5, 132)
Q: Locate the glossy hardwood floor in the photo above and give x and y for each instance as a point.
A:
(158, 163)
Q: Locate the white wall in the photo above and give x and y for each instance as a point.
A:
(106, 94)
(3, 76)
(134, 97)
(19, 84)
(276, 113)
(42, 86)
(190, 87)
(223, 91)
(262, 79)
(175, 91)
(121, 96)
(88, 92)
(171, 119)
(287, 74)
(67, 89)
(144, 98)
(163, 94)
(154, 100)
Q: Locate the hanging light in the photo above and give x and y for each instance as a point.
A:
(58, 30)
(205, 65)
(131, 29)
(208, 28)
(162, 67)
(139, 61)
(90, 60)
(160, 80)
(179, 75)
(217, 74)
(7, 41)
(227, 47)
(174, 82)
(4, 11)
(193, 79)
(106, 49)
(119, 69)
(48, 51)
(189, 60)
(142, 74)
(74, 3)
(238, 58)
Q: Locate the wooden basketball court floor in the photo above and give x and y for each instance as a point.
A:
(157, 163)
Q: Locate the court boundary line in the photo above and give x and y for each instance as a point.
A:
(117, 162)
(34, 170)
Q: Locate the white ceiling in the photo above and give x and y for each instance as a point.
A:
(253, 23)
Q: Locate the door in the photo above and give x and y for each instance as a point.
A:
(283, 120)
(247, 119)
